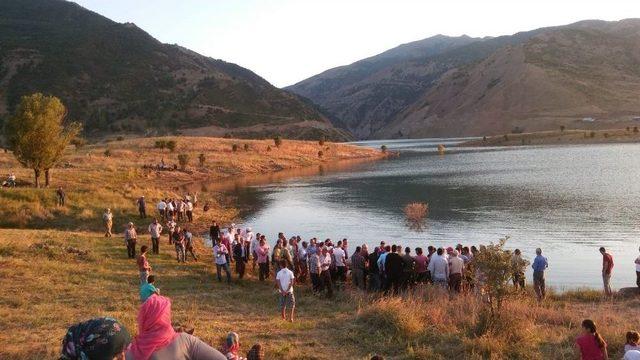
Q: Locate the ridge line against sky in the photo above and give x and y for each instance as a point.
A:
(287, 41)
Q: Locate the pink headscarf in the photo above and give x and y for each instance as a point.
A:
(154, 327)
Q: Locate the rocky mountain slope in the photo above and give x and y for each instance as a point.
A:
(117, 78)
(534, 80)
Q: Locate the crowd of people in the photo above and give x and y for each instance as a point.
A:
(329, 267)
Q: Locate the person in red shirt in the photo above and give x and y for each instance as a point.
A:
(607, 266)
(143, 265)
(590, 344)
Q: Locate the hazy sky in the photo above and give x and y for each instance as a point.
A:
(286, 41)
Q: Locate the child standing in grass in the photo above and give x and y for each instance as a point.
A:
(143, 265)
(147, 289)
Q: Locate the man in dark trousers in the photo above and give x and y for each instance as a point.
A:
(142, 207)
(214, 232)
(393, 265)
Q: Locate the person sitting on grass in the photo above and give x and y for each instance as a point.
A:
(157, 340)
(97, 339)
(231, 347)
(590, 344)
(148, 289)
(256, 353)
(284, 283)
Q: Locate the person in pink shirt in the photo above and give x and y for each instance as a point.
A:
(590, 344)
(263, 258)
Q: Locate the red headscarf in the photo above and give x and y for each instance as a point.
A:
(154, 327)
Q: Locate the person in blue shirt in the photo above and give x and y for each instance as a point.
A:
(539, 265)
(148, 289)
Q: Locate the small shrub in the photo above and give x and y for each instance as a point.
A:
(383, 148)
(415, 214)
(277, 141)
(322, 140)
(606, 135)
(628, 129)
(107, 153)
(320, 154)
(635, 129)
(78, 142)
(234, 147)
(592, 134)
(392, 316)
(562, 128)
(120, 138)
(171, 145)
(183, 160)
(506, 137)
(484, 138)
(160, 144)
(269, 148)
(201, 159)
(246, 147)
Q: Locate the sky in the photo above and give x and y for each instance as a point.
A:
(286, 41)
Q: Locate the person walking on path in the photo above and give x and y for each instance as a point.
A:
(143, 265)
(220, 253)
(285, 280)
(607, 267)
(142, 207)
(155, 229)
(539, 266)
(637, 262)
(130, 239)
(60, 196)
(107, 219)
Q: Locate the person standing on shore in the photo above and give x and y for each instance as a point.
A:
(142, 207)
(285, 280)
(439, 269)
(456, 269)
(107, 218)
(262, 253)
(239, 255)
(518, 276)
(637, 262)
(357, 269)
(607, 266)
(155, 229)
(539, 266)
(220, 253)
(130, 239)
(143, 265)
(214, 232)
(325, 271)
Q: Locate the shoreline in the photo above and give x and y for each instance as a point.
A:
(559, 137)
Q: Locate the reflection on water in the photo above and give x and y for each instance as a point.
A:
(568, 200)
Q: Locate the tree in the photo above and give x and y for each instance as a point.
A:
(497, 268)
(322, 140)
(171, 145)
(201, 159)
(246, 147)
(36, 134)
(234, 147)
(383, 148)
(277, 141)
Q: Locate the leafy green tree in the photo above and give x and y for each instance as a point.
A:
(496, 268)
(36, 134)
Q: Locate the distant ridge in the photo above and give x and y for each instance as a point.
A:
(461, 86)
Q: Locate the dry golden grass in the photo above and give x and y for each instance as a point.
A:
(557, 137)
(45, 289)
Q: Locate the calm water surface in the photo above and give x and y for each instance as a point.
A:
(568, 200)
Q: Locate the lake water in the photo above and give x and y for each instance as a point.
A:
(568, 200)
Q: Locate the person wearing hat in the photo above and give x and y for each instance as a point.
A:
(130, 239)
(96, 339)
(107, 219)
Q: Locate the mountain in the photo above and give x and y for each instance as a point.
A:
(535, 80)
(117, 78)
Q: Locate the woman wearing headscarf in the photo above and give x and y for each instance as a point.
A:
(157, 340)
(97, 339)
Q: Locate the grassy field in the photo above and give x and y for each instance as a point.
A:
(45, 288)
(56, 269)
